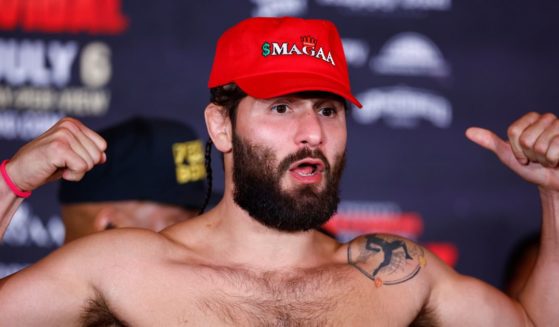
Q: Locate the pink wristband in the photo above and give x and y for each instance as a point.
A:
(11, 185)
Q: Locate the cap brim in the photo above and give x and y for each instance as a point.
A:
(277, 84)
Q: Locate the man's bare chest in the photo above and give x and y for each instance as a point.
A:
(332, 296)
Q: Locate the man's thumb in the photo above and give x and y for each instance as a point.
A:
(485, 138)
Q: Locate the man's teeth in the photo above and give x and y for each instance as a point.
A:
(307, 171)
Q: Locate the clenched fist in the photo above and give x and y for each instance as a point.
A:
(68, 149)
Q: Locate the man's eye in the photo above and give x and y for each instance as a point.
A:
(328, 111)
(280, 108)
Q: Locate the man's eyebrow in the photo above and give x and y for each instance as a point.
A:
(277, 100)
(286, 98)
(332, 101)
(318, 100)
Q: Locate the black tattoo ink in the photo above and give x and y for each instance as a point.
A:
(388, 248)
(387, 260)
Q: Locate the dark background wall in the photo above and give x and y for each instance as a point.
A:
(424, 70)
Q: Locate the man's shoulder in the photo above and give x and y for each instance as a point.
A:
(121, 246)
(120, 237)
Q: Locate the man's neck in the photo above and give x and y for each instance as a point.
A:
(243, 240)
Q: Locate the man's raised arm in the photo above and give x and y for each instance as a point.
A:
(54, 291)
(532, 151)
(67, 150)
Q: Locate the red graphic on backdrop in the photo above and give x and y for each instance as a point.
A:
(63, 16)
(408, 224)
(447, 252)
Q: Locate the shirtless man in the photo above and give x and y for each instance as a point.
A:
(255, 259)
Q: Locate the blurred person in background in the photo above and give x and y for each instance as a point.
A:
(154, 177)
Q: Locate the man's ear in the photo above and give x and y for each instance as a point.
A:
(219, 127)
(105, 219)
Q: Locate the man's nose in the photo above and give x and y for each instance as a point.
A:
(309, 130)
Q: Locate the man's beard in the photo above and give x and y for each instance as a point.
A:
(257, 179)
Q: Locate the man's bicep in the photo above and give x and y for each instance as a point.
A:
(465, 301)
(49, 293)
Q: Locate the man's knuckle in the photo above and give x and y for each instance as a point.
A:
(68, 125)
(98, 156)
(58, 146)
(103, 144)
(63, 133)
(525, 141)
(540, 148)
(81, 165)
(514, 131)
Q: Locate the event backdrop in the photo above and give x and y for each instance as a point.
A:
(425, 70)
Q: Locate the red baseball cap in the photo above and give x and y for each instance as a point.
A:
(269, 57)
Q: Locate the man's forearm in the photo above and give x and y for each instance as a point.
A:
(550, 223)
(9, 203)
(541, 292)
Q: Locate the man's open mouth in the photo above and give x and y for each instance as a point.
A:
(307, 167)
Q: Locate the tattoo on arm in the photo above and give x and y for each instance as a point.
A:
(387, 260)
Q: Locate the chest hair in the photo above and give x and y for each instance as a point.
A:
(303, 298)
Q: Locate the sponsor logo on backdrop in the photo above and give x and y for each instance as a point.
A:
(26, 125)
(274, 8)
(410, 54)
(56, 76)
(389, 6)
(356, 51)
(27, 229)
(355, 218)
(189, 161)
(403, 107)
(35, 75)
